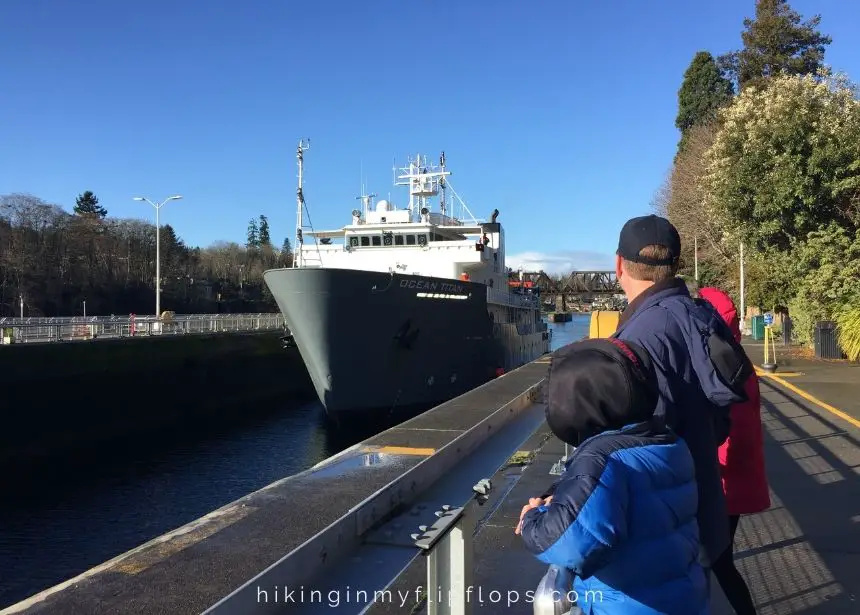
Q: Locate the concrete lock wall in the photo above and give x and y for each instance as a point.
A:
(59, 398)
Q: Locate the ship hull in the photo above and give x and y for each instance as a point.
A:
(376, 341)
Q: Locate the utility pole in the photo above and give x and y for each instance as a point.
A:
(158, 207)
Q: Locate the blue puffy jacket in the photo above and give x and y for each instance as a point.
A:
(623, 519)
(666, 322)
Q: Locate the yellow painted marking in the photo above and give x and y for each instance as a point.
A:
(405, 450)
(780, 374)
(808, 397)
(543, 361)
(175, 542)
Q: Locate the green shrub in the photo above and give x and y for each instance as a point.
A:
(803, 320)
(848, 322)
(830, 262)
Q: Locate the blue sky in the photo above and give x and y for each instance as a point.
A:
(558, 113)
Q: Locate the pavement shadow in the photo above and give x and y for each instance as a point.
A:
(802, 555)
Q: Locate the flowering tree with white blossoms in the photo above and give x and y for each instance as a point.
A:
(786, 161)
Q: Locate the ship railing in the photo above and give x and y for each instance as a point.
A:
(75, 328)
(431, 510)
(506, 297)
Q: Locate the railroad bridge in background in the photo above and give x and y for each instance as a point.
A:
(572, 290)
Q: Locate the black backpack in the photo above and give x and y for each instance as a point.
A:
(730, 360)
(732, 366)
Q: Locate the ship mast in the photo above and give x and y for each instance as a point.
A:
(300, 203)
(424, 182)
(366, 200)
(442, 184)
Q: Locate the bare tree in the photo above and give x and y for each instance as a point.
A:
(54, 260)
(682, 200)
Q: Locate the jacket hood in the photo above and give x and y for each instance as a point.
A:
(725, 307)
(599, 385)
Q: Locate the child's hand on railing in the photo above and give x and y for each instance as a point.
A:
(533, 503)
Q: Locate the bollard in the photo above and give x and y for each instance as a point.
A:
(769, 364)
(553, 593)
(558, 467)
(448, 544)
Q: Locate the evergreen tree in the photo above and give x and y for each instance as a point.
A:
(263, 235)
(87, 204)
(287, 253)
(776, 41)
(702, 93)
(253, 235)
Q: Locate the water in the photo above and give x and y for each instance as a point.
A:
(564, 333)
(61, 524)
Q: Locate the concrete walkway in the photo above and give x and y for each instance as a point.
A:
(803, 555)
(800, 556)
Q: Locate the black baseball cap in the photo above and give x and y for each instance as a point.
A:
(599, 385)
(646, 231)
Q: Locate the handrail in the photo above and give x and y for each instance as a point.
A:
(36, 330)
(29, 320)
(506, 297)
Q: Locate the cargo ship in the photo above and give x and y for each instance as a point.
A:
(408, 306)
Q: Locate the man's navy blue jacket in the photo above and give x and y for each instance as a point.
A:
(623, 519)
(693, 401)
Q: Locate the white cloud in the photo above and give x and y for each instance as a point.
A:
(561, 262)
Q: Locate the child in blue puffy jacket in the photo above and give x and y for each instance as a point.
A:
(622, 518)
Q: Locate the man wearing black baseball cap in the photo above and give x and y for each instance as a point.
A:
(649, 252)
(662, 318)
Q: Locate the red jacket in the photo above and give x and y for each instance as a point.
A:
(742, 455)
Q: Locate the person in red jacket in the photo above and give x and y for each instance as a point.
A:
(742, 465)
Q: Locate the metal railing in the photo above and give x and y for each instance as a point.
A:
(506, 297)
(73, 328)
(334, 557)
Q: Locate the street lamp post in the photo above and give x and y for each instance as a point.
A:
(696, 256)
(158, 207)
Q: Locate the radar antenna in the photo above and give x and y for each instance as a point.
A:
(366, 200)
(424, 181)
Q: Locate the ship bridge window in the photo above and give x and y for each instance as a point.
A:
(353, 242)
(422, 240)
(377, 240)
(365, 241)
(410, 240)
(398, 240)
